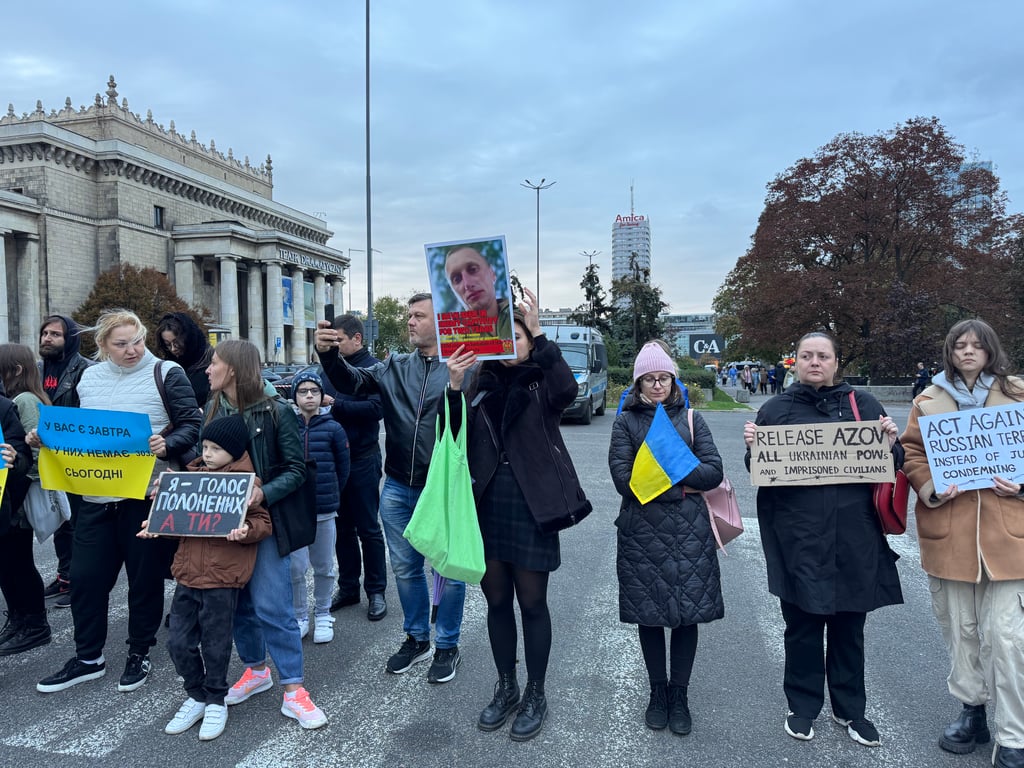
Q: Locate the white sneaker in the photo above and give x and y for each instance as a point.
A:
(303, 627)
(214, 720)
(323, 632)
(190, 713)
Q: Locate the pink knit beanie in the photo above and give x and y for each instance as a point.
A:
(652, 358)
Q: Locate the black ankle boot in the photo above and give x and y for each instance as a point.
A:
(532, 712)
(656, 715)
(679, 721)
(11, 626)
(503, 705)
(967, 731)
(1008, 757)
(31, 632)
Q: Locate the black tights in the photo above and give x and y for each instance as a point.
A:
(683, 651)
(503, 581)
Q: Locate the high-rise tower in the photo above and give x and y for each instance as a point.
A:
(631, 234)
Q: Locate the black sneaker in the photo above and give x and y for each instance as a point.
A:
(413, 651)
(73, 673)
(57, 587)
(801, 728)
(136, 670)
(446, 661)
(862, 731)
(63, 600)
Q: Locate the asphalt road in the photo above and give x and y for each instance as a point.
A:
(596, 687)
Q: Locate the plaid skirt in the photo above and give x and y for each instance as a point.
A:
(509, 531)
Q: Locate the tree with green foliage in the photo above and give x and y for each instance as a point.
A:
(593, 312)
(391, 316)
(636, 311)
(884, 241)
(146, 292)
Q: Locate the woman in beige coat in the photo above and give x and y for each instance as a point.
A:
(972, 547)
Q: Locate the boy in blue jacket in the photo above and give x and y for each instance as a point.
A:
(325, 441)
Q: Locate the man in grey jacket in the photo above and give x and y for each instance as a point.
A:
(410, 386)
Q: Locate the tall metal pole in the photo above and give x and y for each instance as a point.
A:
(369, 240)
(350, 252)
(538, 188)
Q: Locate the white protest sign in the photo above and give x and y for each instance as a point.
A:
(829, 453)
(968, 448)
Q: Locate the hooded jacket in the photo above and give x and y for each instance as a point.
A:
(213, 562)
(666, 562)
(976, 530)
(823, 544)
(409, 386)
(196, 357)
(61, 377)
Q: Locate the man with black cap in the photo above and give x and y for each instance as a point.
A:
(61, 368)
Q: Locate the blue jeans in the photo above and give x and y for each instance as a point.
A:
(264, 618)
(397, 501)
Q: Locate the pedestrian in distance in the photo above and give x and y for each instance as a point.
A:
(325, 442)
(972, 551)
(61, 367)
(105, 528)
(828, 561)
(523, 480)
(264, 618)
(922, 378)
(210, 572)
(666, 558)
(409, 385)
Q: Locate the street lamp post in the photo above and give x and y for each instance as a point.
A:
(538, 188)
(350, 252)
(369, 242)
(590, 288)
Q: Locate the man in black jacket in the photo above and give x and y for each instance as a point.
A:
(61, 368)
(360, 498)
(409, 386)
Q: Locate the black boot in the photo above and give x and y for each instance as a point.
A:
(656, 715)
(532, 712)
(506, 697)
(967, 731)
(11, 626)
(1008, 757)
(679, 721)
(33, 631)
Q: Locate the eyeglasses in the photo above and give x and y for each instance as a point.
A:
(661, 381)
(175, 344)
(307, 392)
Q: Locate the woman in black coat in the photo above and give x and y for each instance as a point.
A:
(179, 338)
(828, 560)
(667, 566)
(526, 489)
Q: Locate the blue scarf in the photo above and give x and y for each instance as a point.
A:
(966, 398)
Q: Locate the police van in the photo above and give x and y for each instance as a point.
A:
(584, 350)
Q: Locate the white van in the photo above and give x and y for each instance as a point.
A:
(584, 350)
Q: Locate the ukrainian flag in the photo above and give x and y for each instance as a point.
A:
(663, 460)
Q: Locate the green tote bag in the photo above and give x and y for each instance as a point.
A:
(444, 526)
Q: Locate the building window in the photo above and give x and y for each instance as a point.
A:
(208, 277)
(158, 217)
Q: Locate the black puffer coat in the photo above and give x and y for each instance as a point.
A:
(666, 563)
(823, 545)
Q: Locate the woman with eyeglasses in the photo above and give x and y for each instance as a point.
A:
(667, 567)
(179, 338)
(105, 528)
(828, 561)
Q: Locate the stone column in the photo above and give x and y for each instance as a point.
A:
(275, 313)
(229, 293)
(318, 297)
(5, 322)
(338, 295)
(298, 345)
(184, 278)
(256, 322)
(29, 315)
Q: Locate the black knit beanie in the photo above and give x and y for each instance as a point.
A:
(230, 433)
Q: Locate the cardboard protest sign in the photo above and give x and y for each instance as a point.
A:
(94, 452)
(3, 472)
(968, 448)
(821, 454)
(469, 283)
(200, 503)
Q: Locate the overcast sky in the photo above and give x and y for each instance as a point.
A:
(699, 105)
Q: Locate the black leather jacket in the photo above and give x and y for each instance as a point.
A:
(409, 386)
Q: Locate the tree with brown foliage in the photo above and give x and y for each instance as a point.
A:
(146, 292)
(884, 241)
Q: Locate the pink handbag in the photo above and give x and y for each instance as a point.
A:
(724, 510)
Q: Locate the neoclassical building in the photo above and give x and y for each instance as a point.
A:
(83, 190)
